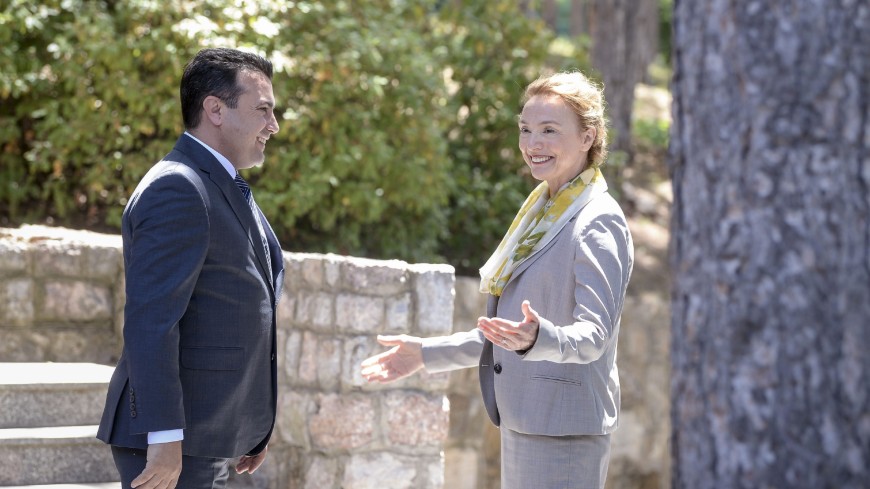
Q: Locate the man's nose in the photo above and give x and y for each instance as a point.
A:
(272, 126)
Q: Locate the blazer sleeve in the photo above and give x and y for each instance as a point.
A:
(459, 350)
(602, 266)
(169, 236)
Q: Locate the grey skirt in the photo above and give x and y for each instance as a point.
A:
(553, 462)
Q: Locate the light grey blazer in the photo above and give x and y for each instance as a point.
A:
(567, 383)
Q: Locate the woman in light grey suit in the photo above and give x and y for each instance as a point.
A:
(557, 282)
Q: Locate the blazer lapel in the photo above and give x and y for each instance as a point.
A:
(485, 370)
(219, 176)
(276, 258)
(528, 262)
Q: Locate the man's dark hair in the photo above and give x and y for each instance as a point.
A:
(215, 72)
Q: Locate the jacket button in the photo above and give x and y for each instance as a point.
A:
(132, 413)
(497, 368)
(273, 357)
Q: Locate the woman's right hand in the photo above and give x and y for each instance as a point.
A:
(403, 359)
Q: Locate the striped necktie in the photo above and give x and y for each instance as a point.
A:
(249, 197)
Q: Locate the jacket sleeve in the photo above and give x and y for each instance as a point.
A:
(602, 265)
(169, 236)
(459, 350)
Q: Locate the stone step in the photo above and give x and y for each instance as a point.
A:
(67, 454)
(92, 485)
(36, 395)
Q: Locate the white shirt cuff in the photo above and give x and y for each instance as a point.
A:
(167, 436)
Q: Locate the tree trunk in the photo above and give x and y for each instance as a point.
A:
(771, 244)
(550, 13)
(624, 42)
(578, 17)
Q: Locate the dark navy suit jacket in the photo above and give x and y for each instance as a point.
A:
(199, 322)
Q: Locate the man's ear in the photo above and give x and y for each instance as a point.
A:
(213, 108)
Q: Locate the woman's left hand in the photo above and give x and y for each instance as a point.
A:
(512, 335)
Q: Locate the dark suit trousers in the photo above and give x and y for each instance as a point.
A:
(196, 472)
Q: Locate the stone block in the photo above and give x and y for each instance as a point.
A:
(16, 302)
(13, 256)
(433, 293)
(47, 455)
(312, 270)
(59, 345)
(332, 270)
(58, 259)
(292, 273)
(469, 304)
(286, 311)
(76, 301)
(382, 470)
(308, 360)
(36, 395)
(314, 309)
(294, 410)
(436, 383)
(102, 263)
(416, 419)
(435, 472)
(461, 468)
(292, 356)
(374, 277)
(322, 472)
(359, 314)
(399, 314)
(343, 422)
(329, 359)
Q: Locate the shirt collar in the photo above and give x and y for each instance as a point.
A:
(221, 158)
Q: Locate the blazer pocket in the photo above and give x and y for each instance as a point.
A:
(560, 380)
(212, 358)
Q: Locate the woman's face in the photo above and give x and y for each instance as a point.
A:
(552, 141)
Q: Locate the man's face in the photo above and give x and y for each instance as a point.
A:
(246, 128)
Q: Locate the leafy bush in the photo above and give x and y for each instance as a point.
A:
(493, 50)
(398, 132)
(87, 104)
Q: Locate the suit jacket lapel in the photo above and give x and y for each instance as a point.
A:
(528, 262)
(219, 176)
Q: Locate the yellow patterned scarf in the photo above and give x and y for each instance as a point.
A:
(539, 221)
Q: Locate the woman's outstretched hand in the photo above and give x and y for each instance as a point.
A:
(512, 335)
(403, 359)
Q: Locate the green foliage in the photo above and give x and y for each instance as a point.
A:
(493, 51)
(86, 104)
(651, 134)
(359, 165)
(666, 13)
(398, 130)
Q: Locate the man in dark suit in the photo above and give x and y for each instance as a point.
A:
(195, 386)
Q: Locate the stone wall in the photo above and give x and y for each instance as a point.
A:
(62, 296)
(61, 299)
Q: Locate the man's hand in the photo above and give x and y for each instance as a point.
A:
(250, 464)
(162, 468)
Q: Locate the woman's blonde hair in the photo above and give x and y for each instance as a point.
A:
(584, 97)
